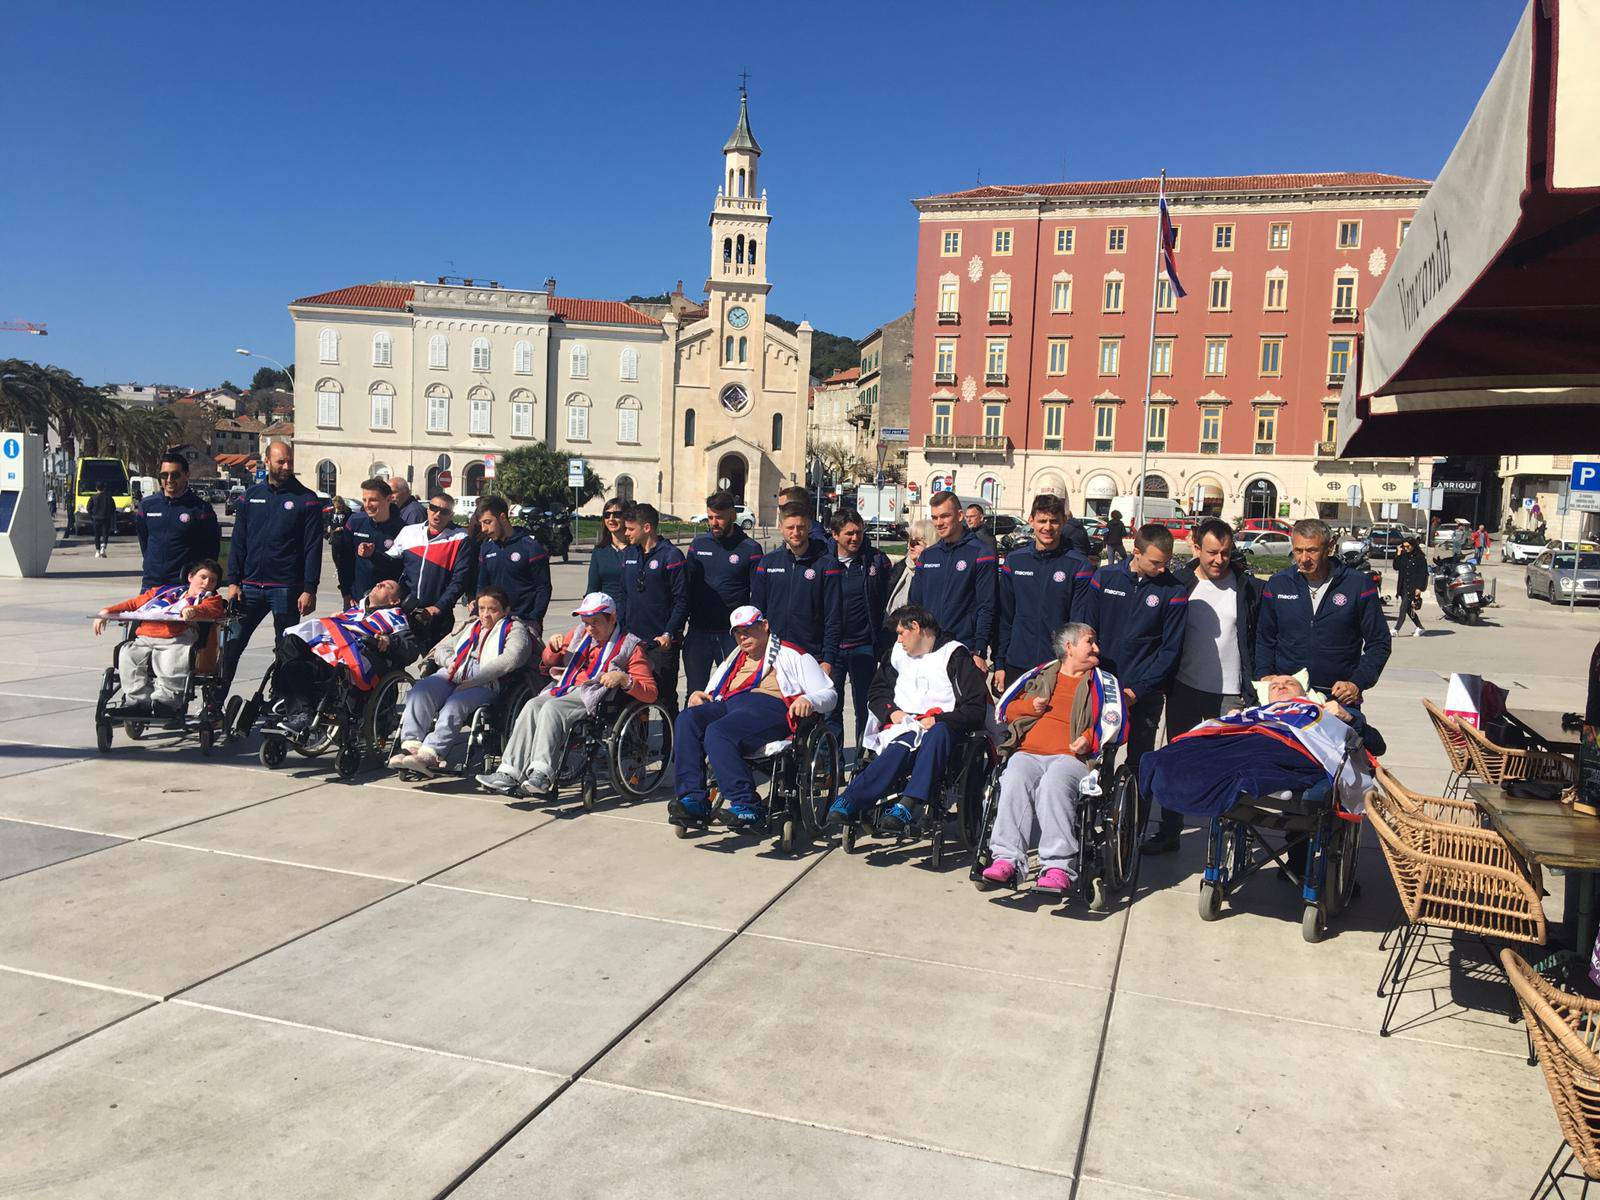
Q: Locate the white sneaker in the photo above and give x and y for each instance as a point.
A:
(1416, 633)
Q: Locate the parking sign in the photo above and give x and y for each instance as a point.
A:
(1586, 476)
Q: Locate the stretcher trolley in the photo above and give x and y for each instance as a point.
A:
(199, 714)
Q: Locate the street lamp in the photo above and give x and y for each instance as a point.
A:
(288, 374)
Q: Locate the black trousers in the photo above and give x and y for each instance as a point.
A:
(299, 677)
(102, 534)
(1144, 722)
(664, 666)
(1186, 708)
(1408, 608)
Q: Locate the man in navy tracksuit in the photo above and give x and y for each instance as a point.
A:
(722, 562)
(1138, 614)
(797, 586)
(366, 539)
(957, 580)
(176, 528)
(1324, 617)
(513, 559)
(655, 598)
(275, 559)
(863, 601)
(1042, 587)
(799, 495)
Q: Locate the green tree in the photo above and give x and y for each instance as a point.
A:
(269, 377)
(143, 434)
(537, 476)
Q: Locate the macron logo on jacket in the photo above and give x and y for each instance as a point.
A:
(958, 583)
(1345, 638)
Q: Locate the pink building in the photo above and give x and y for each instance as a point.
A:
(1033, 335)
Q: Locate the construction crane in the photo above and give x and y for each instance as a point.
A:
(25, 327)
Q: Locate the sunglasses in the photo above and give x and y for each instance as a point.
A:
(436, 508)
(611, 516)
(169, 475)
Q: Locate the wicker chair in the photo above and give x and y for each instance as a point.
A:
(1565, 1029)
(1443, 809)
(1447, 727)
(1449, 876)
(1498, 765)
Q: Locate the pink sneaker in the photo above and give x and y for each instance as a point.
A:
(1000, 873)
(1054, 881)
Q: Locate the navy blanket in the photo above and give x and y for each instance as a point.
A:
(1205, 776)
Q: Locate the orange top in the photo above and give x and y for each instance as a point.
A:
(210, 606)
(1052, 732)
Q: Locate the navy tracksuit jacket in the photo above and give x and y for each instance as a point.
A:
(1040, 591)
(958, 584)
(863, 597)
(521, 566)
(654, 593)
(1139, 623)
(174, 535)
(277, 537)
(361, 530)
(1347, 638)
(801, 599)
(720, 573)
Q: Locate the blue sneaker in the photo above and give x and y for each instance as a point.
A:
(742, 816)
(688, 810)
(895, 818)
(842, 813)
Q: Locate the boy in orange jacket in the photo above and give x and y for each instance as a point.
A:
(155, 665)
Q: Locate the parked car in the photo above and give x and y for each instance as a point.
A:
(1385, 539)
(1008, 532)
(1556, 577)
(1523, 546)
(1254, 543)
(1274, 524)
(1445, 535)
(743, 516)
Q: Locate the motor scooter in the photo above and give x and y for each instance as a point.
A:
(1459, 588)
(1356, 554)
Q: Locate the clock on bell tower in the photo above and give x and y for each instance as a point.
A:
(736, 292)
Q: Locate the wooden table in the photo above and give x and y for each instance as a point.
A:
(1544, 727)
(1552, 835)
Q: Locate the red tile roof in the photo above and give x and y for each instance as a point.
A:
(1180, 185)
(365, 295)
(848, 375)
(603, 312)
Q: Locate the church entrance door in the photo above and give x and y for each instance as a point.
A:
(732, 471)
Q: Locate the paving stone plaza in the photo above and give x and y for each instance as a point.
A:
(217, 980)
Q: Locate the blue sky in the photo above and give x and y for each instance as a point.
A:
(177, 173)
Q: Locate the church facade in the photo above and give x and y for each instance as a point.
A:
(664, 403)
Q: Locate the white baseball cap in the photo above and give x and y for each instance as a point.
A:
(594, 604)
(744, 616)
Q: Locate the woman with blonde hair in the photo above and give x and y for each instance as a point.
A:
(920, 534)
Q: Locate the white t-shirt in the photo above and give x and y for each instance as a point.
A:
(1210, 660)
(1318, 591)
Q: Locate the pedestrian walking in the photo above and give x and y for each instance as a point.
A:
(103, 518)
(1411, 580)
(1115, 532)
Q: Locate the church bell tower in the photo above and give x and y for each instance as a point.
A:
(736, 292)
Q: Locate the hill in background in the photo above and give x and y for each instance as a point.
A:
(830, 352)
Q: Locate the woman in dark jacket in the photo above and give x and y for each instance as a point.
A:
(1411, 580)
(605, 562)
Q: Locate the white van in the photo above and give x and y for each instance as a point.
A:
(1156, 508)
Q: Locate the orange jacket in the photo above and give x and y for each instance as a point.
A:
(212, 607)
(643, 686)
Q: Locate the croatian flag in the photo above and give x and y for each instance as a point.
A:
(1169, 243)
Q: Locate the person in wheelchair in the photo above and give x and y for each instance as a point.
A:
(752, 699)
(486, 648)
(1059, 717)
(358, 645)
(155, 665)
(927, 695)
(588, 665)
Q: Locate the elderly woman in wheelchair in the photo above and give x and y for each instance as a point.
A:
(587, 666)
(1060, 718)
(469, 667)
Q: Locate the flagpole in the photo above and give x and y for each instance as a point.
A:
(1150, 358)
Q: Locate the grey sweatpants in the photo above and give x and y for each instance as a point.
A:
(158, 665)
(539, 735)
(437, 710)
(1038, 803)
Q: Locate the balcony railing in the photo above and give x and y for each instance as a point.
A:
(995, 378)
(948, 377)
(980, 443)
(1327, 449)
(949, 318)
(1210, 447)
(999, 316)
(861, 414)
(1345, 314)
(1266, 447)
(1336, 379)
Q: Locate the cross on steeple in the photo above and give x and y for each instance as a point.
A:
(744, 81)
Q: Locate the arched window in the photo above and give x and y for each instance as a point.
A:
(688, 427)
(383, 350)
(480, 409)
(777, 432)
(741, 181)
(438, 352)
(382, 398)
(729, 192)
(738, 249)
(438, 409)
(578, 417)
(522, 358)
(578, 367)
(472, 480)
(989, 491)
(750, 252)
(727, 249)
(480, 354)
(628, 421)
(328, 346)
(522, 413)
(727, 349)
(328, 394)
(744, 349)
(379, 470)
(327, 478)
(623, 491)
(628, 365)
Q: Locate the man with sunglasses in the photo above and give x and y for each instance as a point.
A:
(175, 527)
(433, 566)
(721, 563)
(653, 601)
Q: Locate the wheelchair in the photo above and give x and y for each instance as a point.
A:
(1108, 831)
(1311, 822)
(636, 740)
(966, 778)
(205, 724)
(348, 722)
(802, 775)
(484, 738)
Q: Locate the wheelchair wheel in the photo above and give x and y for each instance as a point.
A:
(588, 793)
(1099, 894)
(348, 761)
(977, 772)
(1122, 850)
(273, 752)
(847, 837)
(135, 730)
(936, 846)
(206, 736)
(102, 735)
(1339, 875)
(1210, 901)
(1313, 923)
(385, 707)
(326, 735)
(820, 766)
(787, 835)
(975, 816)
(640, 750)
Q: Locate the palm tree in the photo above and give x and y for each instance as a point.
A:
(143, 434)
(24, 396)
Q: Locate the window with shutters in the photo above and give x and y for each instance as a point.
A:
(382, 406)
(628, 421)
(578, 418)
(328, 407)
(521, 414)
(578, 363)
(438, 352)
(628, 365)
(522, 358)
(479, 412)
(328, 346)
(480, 354)
(438, 409)
(382, 350)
